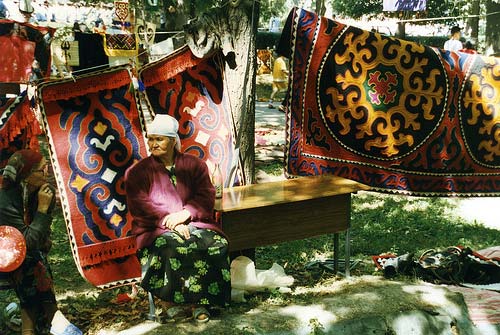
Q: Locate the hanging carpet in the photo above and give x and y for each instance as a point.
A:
(395, 115)
(21, 44)
(192, 90)
(121, 45)
(19, 126)
(95, 133)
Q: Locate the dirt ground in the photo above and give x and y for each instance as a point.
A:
(359, 305)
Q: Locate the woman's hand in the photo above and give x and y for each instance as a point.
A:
(183, 230)
(45, 197)
(172, 220)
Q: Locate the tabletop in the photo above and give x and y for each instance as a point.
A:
(285, 191)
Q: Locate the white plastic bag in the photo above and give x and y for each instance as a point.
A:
(246, 279)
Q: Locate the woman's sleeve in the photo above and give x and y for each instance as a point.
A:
(202, 200)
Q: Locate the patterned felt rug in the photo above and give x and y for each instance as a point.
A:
(395, 115)
(19, 127)
(483, 305)
(121, 45)
(95, 133)
(192, 90)
(21, 44)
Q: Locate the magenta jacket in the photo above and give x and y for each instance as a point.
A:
(151, 195)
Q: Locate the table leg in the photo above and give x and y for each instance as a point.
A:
(335, 253)
(347, 252)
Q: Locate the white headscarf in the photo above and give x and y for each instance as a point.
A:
(165, 125)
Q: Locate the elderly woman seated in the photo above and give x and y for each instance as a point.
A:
(183, 253)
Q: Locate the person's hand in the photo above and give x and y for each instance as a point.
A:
(183, 230)
(45, 197)
(172, 220)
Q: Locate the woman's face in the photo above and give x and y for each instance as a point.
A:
(37, 176)
(161, 145)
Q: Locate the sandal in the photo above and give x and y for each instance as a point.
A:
(201, 314)
(176, 313)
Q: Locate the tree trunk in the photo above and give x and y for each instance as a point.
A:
(320, 7)
(401, 30)
(492, 44)
(473, 22)
(233, 28)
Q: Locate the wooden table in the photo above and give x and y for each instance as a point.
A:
(263, 214)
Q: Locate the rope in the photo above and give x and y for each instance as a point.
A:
(449, 18)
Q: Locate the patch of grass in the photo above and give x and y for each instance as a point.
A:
(385, 223)
(274, 168)
(402, 224)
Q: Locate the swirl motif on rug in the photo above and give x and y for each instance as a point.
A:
(386, 96)
(481, 112)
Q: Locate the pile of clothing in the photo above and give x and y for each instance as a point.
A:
(455, 265)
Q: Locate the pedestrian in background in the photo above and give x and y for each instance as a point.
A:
(454, 44)
(280, 79)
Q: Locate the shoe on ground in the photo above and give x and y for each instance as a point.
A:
(282, 108)
(270, 106)
(201, 315)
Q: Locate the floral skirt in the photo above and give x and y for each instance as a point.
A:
(192, 271)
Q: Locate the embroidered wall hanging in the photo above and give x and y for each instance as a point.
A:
(95, 133)
(192, 90)
(395, 115)
(21, 44)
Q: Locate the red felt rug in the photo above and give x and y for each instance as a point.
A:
(21, 44)
(395, 115)
(19, 127)
(95, 133)
(483, 305)
(193, 91)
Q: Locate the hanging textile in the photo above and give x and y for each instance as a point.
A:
(19, 126)
(21, 44)
(121, 45)
(90, 52)
(192, 90)
(95, 133)
(395, 115)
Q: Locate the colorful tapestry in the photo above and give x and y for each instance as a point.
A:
(392, 114)
(21, 44)
(19, 126)
(120, 45)
(95, 133)
(192, 90)
(483, 306)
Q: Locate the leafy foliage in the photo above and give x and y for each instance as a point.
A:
(270, 8)
(357, 9)
(373, 8)
(266, 39)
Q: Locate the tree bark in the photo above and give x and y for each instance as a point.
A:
(320, 7)
(492, 43)
(473, 22)
(232, 29)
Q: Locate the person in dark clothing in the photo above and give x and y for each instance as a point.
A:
(26, 203)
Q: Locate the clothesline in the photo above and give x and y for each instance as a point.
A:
(449, 17)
